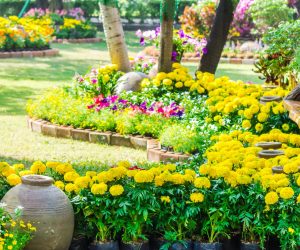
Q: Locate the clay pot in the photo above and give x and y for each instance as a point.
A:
(267, 154)
(265, 99)
(268, 87)
(277, 170)
(269, 145)
(47, 208)
(187, 245)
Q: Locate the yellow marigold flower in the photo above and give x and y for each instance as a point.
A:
(178, 85)
(167, 82)
(14, 242)
(13, 179)
(124, 164)
(70, 187)
(176, 65)
(64, 168)
(285, 127)
(165, 199)
(82, 182)
(298, 198)
(99, 188)
(159, 180)
(271, 198)
(52, 164)
(197, 197)
(71, 176)
(60, 185)
(25, 172)
(4, 166)
(259, 127)
(116, 190)
(144, 176)
(291, 168)
(91, 173)
(286, 193)
(38, 167)
(246, 124)
(202, 182)
(18, 167)
(177, 178)
(298, 181)
(262, 117)
(291, 230)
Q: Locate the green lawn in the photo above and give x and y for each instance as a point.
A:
(24, 78)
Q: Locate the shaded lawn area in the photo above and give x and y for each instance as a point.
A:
(24, 78)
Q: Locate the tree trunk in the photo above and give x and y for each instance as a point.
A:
(43, 4)
(218, 36)
(56, 5)
(114, 35)
(166, 36)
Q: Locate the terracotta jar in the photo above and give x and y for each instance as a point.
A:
(269, 145)
(265, 99)
(267, 154)
(47, 208)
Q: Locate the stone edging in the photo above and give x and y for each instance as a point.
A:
(28, 54)
(154, 153)
(79, 40)
(294, 110)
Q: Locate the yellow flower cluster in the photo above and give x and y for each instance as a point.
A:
(179, 78)
(240, 165)
(25, 31)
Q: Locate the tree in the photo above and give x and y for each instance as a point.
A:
(43, 4)
(218, 36)
(56, 5)
(114, 34)
(166, 36)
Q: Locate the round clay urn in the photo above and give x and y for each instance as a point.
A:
(265, 99)
(277, 170)
(268, 145)
(47, 208)
(267, 154)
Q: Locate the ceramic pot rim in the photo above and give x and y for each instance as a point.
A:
(37, 180)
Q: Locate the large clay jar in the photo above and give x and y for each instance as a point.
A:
(47, 208)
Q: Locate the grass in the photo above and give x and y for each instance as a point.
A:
(24, 78)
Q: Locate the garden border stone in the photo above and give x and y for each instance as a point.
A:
(78, 40)
(29, 54)
(154, 151)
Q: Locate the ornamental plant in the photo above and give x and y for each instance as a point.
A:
(279, 65)
(25, 33)
(182, 42)
(101, 81)
(15, 234)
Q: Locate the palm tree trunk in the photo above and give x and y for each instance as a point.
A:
(114, 35)
(166, 36)
(218, 36)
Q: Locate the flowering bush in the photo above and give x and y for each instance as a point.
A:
(178, 202)
(101, 81)
(67, 23)
(24, 33)
(141, 64)
(198, 18)
(182, 42)
(14, 233)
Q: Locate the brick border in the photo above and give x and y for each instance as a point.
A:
(30, 54)
(79, 40)
(154, 151)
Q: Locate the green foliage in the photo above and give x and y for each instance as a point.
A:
(270, 13)
(280, 61)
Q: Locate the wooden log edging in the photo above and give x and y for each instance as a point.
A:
(30, 54)
(78, 40)
(154, 151)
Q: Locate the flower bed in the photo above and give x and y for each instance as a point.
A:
(18, 34)
(165, 108)
(234, 192)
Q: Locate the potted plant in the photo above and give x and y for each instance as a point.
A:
(97, 206)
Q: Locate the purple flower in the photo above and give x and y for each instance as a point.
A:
(174, 56)
(142, 41)
(181, 34)
(204, 50)
(94, 81)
